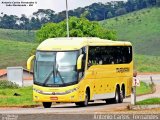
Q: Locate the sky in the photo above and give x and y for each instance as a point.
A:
(56, 5)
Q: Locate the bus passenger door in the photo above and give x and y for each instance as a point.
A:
(90, 77)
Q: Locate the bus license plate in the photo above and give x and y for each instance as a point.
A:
(54, 98)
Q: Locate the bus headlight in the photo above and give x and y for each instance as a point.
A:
(42, 92)
(71, 90)
(38, 91)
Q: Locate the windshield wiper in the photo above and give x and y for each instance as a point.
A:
(47, 78)
(49, 75)
(60, 76)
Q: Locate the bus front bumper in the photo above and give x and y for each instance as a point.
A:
(66, 98)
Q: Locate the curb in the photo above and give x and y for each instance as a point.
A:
(143, 107)
(24, 106)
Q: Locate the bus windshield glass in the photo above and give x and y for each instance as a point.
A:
(55, 68)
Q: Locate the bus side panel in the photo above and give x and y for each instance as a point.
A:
(108, 76)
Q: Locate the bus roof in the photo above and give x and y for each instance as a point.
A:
(75, 43)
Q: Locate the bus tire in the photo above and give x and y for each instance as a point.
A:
(78, 103)
(121, 97)
(85, 102)
(109, 101)
(117, 96)
(47, 104)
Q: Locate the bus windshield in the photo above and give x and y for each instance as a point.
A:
(55, 68)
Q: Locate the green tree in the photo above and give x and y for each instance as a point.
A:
(158, 3)
(45, 15)
(109, 15)
(79, 27)
(24, 22)
(35, 23)
(8, 21)
(120, 11)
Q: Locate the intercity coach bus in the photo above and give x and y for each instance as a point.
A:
(81, 70)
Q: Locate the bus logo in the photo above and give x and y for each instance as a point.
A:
(122, 70)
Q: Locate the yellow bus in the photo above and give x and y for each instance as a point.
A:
(81, 70)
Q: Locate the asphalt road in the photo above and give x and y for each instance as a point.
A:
(60, 112)
(147, 78)
(66, 108)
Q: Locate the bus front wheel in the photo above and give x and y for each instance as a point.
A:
(85, 102)
(47, 104)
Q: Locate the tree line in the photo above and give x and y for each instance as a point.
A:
(94, 12)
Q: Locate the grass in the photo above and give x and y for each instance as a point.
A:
(14, 53)
(7, 97)
(142, 28)
(147, 63)
(17, 35)
(149, 101)
(144, 88)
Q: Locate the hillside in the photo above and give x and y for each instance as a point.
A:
(17, 35)
(146, 63)
(142, 28)
(14, 53)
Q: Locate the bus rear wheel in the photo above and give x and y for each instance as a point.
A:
(118, 96)
(121, 97)
(47, 104)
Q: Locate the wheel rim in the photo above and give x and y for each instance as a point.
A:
(121, 96)
(86, 100)
(117, 97)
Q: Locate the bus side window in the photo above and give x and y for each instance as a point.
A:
(103, 55)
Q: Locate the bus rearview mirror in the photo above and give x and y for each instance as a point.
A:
(29, 62)
(79, 62)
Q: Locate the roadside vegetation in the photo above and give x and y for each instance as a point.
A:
(7, 84)
(145, 88)
(150, 101)
(12, 95)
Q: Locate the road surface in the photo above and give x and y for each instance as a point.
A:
(147, 78)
